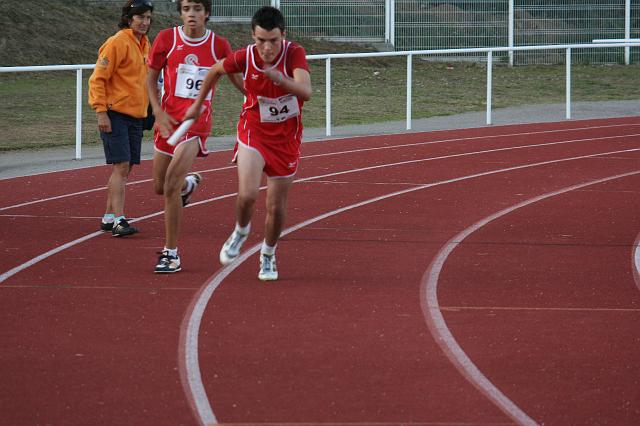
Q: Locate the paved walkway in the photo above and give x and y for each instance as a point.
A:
(27, 162)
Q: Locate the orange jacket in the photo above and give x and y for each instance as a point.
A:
(118, 81)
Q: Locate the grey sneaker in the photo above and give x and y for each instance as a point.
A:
(231, 248)
(167, 264)
(195, 179)
(268, 270)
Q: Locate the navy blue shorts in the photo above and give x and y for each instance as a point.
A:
(124, 142)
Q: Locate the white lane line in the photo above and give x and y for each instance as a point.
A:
(378, 135)
(360, 150)
(44, 216)
(189, 363)
(435, 320)
(45, 255)
(635, 261)
(531, 308)
(469, 138)
(13, 271)
(488, 151)
(88, 191)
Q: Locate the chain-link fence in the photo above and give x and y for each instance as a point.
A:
(571, 21)
(235, 10)
(339, 20)
(450, 24)
(471, 23)
(453, 24)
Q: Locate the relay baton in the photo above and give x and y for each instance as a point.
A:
(180, 131)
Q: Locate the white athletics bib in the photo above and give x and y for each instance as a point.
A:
(276, 110)
(189, 81)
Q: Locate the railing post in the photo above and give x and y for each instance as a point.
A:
(489, 84)
(511, 30)
(627, 30)
(328, 97)
(568, 84)
(79, 114)
(409, 87)
(387, 21)
(392, 22)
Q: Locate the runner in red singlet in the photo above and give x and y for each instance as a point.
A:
(277, 82)
(184, 55)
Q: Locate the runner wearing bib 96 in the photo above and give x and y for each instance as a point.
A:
(277, 82)
(184, 55)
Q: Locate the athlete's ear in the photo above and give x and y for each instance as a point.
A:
(284, 34)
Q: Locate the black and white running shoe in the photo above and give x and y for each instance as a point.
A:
(168, 264)
(122, 229)
(106, 226)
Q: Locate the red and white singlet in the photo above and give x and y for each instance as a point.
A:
(185, 62)
(271, 118)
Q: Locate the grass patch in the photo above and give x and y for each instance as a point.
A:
(39, 108)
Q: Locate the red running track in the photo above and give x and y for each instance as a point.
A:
(478, 276)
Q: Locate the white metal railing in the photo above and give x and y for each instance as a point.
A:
(488, 50)
(78, 69)
(328, 59)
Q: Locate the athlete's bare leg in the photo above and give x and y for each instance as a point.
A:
(277, 192)
(160, 165)
(250, 165)
(116, 188)
(183, 159)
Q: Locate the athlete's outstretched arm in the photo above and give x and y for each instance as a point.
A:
(299, 85)
(209, 82)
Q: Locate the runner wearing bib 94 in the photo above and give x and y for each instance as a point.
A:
(184, 55)
(277, 82)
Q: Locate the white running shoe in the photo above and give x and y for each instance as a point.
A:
(194, 180)
(231, 248)
(268, 270)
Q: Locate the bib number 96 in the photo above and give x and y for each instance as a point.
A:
(189, 81)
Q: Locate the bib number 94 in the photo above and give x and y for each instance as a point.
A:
(277, 110)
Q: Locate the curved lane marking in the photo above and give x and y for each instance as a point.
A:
(57, 197)
(470, 138)
(387, 134)
(189, 363)
(438, 326)
(635, 261)
(88, 191)
(4, 276)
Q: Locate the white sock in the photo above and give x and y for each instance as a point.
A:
(244, 230)
(171, 252)
(268, 250)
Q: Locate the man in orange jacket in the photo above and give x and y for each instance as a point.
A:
(118, 94)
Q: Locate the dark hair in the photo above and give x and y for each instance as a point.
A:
(205, 3)
(268, 17)
(133, 7)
